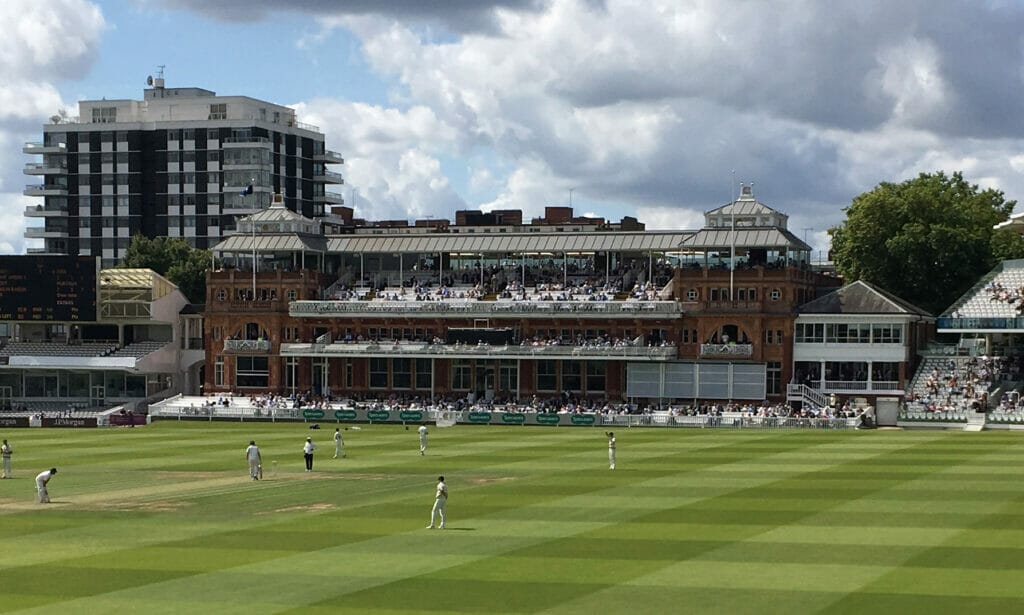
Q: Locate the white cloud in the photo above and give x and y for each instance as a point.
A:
(43, 43)
(646, 108)
(391, 157)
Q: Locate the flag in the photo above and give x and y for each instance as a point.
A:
(247, 190)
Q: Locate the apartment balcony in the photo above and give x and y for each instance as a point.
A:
(40, 232)
(726, 350)
(247, 142)
(329, 177)
(36, 147)
(45, 190)
(38, 211)
(329, 157)
(247, 346)
(41, 168)
(240, 166)
(329, 197)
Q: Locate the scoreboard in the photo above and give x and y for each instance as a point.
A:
(48, 288)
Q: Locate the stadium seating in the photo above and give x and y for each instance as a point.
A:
(139, 349)
(998, 297)
(58, 349)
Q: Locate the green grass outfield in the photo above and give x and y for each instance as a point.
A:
(164, 519)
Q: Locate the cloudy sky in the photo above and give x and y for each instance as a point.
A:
(647, 108)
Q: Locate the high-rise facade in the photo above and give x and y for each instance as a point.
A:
(177, 163)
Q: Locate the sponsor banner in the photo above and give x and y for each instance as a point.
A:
(513, 418)
(547, 419)
(378, 415)
(120, 420)
(345, 415)
(70, 422)
(583, 419)
(411, 415)
(14, 421)
(313, 413)
(480, 417)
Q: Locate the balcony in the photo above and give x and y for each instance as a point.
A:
(247, 142)
(329, 177)
(252, 346)
(38, 211)
(494, 309)
(42, 168)
(45, 190)
(329, 157)
(329, 197)
(726, 350)
(891, 387)
(39, 232)
(461, 351)
(35, 147)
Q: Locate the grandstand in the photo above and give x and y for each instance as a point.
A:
(142, 342)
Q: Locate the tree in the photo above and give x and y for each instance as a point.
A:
(174, 259)
(926, 240)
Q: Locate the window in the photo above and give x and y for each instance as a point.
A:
(775, 294)
(222, 294)
(691, 294)
(571, 376)
(292, 294)
(218, 371)
(774, 374)
(810, 333)
(424, 374)
(378, 373)
(218, 112)
(887, 334)
(291, 365)
(596, 371)
(778, 336)
(401, 373)
(547, 376)
(508, 376)
(252, 372)
(461, 375)
(104, 115)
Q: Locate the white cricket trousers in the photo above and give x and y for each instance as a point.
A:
(440, 505)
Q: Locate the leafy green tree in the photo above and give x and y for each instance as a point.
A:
(1007, 244)
(174, 259)
(926, 240)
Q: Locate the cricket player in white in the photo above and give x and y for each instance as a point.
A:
(5, 452)
(423, 438)
(41, 480)
(252, 455)
(339, 444)
(611, 450)
(440, 503)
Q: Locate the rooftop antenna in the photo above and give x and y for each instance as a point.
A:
(158, 82)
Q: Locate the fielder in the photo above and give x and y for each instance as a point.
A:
(252, 455)
(5, 452)
(42, 479)
(423, 438)
(339, 444)
(611, 450)
(440, 503)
